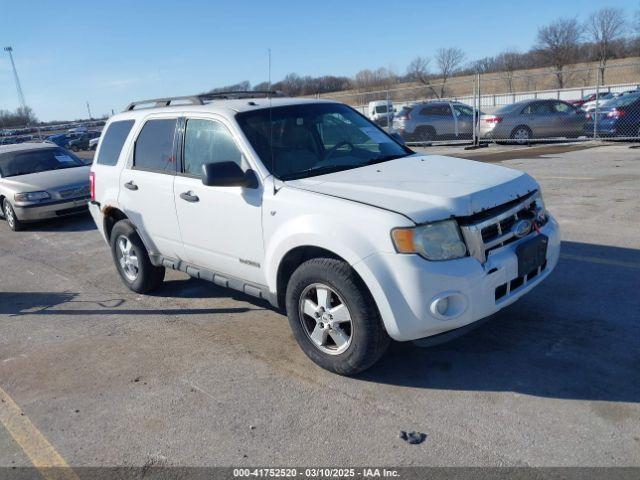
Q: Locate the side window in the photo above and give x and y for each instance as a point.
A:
(543, 108)
(429, 110)
(463, 110)
(208, 141)
(113, 141)
(154, 147)
(561, 107)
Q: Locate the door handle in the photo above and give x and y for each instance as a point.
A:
(189, 197)
(131, 186)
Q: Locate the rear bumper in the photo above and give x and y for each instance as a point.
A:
(32, 213)
(406, 287)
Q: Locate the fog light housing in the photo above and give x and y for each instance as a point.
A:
(448, 305)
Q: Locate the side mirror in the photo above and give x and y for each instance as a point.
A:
(398, 138)
(228, 174)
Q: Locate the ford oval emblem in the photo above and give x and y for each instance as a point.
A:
(522, 228)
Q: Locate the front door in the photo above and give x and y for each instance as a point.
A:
(146, 187)
(221, 226)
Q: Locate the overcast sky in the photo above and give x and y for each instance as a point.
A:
(112, 52)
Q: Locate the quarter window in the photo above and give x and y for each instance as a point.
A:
(112, 143)
(154, 147)
(207, 141)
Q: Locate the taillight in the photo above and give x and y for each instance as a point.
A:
(404, 118)
(588, 116)
(92, 185)
(616, 113)
(493, 119)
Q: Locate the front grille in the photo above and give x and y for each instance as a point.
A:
(81, 191)
(495, 228)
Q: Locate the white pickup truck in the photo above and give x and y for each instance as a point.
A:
(311, 206)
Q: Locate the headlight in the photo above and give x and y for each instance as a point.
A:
(31, 196)
(433, 241)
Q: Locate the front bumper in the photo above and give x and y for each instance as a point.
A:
(405, 287)
(57, 209)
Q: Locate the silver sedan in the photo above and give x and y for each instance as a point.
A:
(529, 119)
(40, 181)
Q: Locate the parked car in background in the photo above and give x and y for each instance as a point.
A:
(619, 117)
(62, 139)
(529, 119)
(93, 143)
(603, 98)
(381, 112)
(40, 181)
(435, 120)
(581, 101)
(82, 141)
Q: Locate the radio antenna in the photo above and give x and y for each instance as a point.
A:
(271, 121)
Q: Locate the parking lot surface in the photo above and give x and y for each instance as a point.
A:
(198, 375)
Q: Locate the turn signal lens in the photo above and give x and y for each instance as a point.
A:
(403, 240)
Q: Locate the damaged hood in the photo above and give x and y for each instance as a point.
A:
(424, 187)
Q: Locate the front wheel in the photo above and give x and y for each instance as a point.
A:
(10, 216)
(333, 317)
(132, 259)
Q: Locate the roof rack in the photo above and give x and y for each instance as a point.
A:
(200, 99)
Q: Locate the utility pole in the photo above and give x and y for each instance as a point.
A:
(89, 110)
(23, 104)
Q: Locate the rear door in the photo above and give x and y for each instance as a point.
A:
(221, 226)
(146, 186)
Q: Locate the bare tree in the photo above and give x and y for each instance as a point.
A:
(604, 27)
(508, 62)
(418, 71)
(559, 41)
(449, 61)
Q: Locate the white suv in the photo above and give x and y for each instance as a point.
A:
(309, 205)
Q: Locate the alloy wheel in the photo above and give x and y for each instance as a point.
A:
(325, 318)
(127, 258)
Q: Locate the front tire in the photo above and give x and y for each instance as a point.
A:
(132, 259)
(10, 216)
(333, 317)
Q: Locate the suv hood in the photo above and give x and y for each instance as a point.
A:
(424, 187)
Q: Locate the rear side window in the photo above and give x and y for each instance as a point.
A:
(436, 110)
(154, 150)
(113, 141)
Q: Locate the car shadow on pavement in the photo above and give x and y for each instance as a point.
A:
(75, 223)
(67, 303)
(576, 336)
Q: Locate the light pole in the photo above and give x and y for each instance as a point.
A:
(9, 50)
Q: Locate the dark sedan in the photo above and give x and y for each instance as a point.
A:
(619, 117)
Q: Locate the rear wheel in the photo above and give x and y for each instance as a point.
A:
(10, 216)
(521, 134)
(132, 259)
(334, 318)
(425, 134)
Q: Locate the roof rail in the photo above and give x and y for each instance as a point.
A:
(200, 99)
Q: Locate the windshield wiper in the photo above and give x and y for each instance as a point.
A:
(309, 172)
(385, 158)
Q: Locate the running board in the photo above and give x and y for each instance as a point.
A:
(226, 281)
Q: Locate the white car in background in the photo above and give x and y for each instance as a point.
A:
(93, 143)
(41, 181)
(602, 99)
(309, 205)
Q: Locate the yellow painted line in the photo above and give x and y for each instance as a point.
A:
(600, 261)
(41, 453)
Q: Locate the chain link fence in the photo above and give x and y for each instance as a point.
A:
(510, 107)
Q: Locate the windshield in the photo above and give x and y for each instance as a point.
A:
(301, 141)
(24, 162)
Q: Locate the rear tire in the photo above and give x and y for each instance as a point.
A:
(521, 134)
(334, 318)
(10, 216)
(132, 259)
(425, 134)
